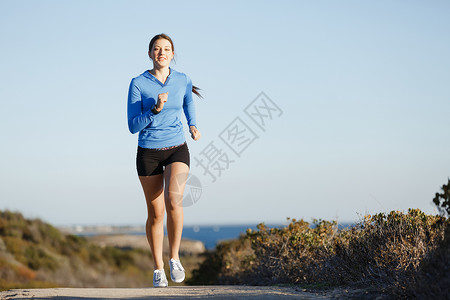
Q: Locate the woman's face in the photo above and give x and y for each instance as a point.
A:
(161, 52)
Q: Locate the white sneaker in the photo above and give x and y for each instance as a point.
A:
(176, 271)
(159, 279)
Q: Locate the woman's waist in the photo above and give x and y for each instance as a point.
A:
(160, 141)
(163, 148)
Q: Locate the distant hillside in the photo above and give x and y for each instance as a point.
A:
(36, 254)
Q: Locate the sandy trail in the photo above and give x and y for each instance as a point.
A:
(176, 292)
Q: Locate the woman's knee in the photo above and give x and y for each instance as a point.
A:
(156, 212)
(155, 218)
(173, 200)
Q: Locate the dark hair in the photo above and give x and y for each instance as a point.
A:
(195, 89)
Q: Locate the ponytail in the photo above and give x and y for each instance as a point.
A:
(195, 90)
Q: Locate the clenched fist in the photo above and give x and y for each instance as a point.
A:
(162, 98)
(195, 134)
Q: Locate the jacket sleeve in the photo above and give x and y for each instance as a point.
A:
(137, 119)
(188, 104)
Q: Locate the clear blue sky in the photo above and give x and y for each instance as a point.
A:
(363, 87)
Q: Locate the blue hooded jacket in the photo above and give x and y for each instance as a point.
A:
(164, 129)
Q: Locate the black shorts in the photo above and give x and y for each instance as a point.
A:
(153, 161)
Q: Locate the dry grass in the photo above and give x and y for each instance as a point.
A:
(384, 252)
(35, 254)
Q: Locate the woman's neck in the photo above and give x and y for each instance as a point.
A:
(160, 73)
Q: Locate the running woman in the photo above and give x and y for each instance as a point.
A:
(156, 99)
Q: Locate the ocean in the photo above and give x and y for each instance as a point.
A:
(210, 235)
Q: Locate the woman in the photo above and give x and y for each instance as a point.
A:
(155, 101)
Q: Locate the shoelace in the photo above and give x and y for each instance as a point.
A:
(157, 276)
(177, 265)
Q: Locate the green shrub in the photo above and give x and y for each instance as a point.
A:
(36, 250)
(380, 251)
(220, 266)
(37, 258)
(119, 258)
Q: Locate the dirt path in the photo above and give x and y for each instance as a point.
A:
(176, 292)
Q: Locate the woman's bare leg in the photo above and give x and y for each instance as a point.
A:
(153, 187)
(175, 176)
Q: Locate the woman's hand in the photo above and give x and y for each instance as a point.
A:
(195, 134)
(162, 98)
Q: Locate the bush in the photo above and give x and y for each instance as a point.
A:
(37, 258)
(442, 201)
(433, 279)
(385, 249)
(380, 251)
(117, 257)
(36, 254)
